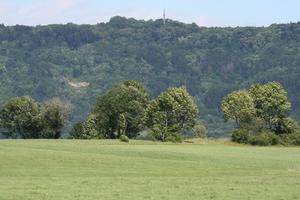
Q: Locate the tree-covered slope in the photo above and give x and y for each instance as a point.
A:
(79, 62)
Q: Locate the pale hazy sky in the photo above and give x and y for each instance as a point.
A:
(202, 12)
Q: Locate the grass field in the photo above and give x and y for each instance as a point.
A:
(69, 169)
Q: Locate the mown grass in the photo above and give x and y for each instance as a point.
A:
(71, 169)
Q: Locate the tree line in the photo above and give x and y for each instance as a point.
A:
(123, 112)
(23, 117)
(260, 113)
(126, 110)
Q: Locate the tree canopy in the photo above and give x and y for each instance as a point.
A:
(271, 105)
(126, 110)
(24, 117)
(260, 113)
(120, 111)
(170, 113)
(238, 106)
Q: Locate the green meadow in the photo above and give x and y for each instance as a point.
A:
(107, 169)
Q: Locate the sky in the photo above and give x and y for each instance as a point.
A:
(203, 12)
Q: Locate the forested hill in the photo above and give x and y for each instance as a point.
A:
(79, 62)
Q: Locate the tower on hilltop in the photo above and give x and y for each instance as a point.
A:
(164, 16)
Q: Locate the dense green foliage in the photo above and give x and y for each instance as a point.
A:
(124, 138)
(20, 117)
(265, 138)
(113, 170)
(199, 131)
(25, 118)
(126, 111)
(118, 112)
(272, 106)
(239, 106)
(260, 114)
(86, 129)
(79, 63)
(170, 114)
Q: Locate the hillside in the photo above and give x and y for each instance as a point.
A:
(79, 62)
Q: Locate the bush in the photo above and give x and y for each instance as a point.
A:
(260, 139)
(175, 138)
(145, 135)
(293, 139)
(124, 138)
(199, 131)
(76, 131)
(297, 140)
(265, 139)
(275, 139)
(240, 136)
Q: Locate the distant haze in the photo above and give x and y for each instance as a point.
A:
(202, 12)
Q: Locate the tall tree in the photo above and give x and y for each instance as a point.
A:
(264, 107)
(170, 113)
(54, 114)
(238, 106)
(272, 105)
(123, 107)
(21, 117)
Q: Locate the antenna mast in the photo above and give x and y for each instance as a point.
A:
(164, 16)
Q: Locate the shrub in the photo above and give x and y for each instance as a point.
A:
(260, 139)
(265, 139)
(297, 140)
(293, 138)
(76, 131)
(240, 136)
(175, 138)
(199, 131)
(124, 138)
(275, 139)
(145, 135)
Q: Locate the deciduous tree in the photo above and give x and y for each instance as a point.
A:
(238, 106)
(272, 106)
(170, 113)
(121, 109)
